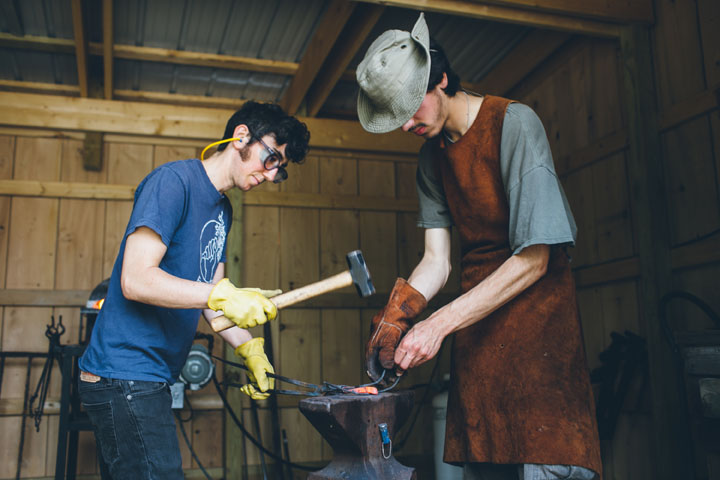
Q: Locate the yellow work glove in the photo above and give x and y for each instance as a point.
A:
(247, 307)
(258, 366)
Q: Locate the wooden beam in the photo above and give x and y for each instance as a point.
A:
(178, 99)
(107, 12)
(40, 87)
(601, 148)
(102, 191)
(43, 298)
(520, 61)
(698, 253)
(361, 23)
(150, 54)
(333, 21)
(505, 14)
(139, 118)
(610, 272)
(32, 42)
(78, 190)
(80, 46)
(626, 11)
(184, 57)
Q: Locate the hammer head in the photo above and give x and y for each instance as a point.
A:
(360, 274)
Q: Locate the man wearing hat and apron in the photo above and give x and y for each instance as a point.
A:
(520, 403)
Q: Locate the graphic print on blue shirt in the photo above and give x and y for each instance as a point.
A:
(137, 341)
(212, 242)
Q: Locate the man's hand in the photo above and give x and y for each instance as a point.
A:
(389, 325)
(421, 344)
(247, 307)
(258, 366)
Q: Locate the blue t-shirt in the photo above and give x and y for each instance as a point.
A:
(137, 341)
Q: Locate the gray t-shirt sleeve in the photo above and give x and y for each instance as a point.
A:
(432, 204)
(539, 210)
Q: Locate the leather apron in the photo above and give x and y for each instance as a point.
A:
(520, 389)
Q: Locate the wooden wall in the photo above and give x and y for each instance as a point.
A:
(579, 95)
(54, 251)
(56, 245)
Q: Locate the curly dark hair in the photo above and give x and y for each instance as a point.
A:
(269, 119)
(440, 64)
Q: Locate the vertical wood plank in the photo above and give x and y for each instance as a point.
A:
(709, 17)
(7, 150)
(376, 178)
(80, 230)
(300, 247)
(168, 153)
(33, 221)
(31, 243)
(205, 438)
(300, 341)
(339, 234)
(605, 84)
(378, 238)
(612, 211)
(301, 178)
(338, 175)
(692, 189)
(653, 240)
(305, 443)
(341, 352)
(10, 426)
(405, 180)
(411, 243)
(579, 188)
(677, 54)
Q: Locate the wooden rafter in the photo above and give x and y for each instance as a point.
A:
(506, 14)
(528, 54)
(178, 99)
(80, 46)
(162, 55)
(624, 12)
(332, 23)
(358, 28)
(107, 13)
(39, 87)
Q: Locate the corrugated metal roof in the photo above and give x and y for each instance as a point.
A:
(272, 29)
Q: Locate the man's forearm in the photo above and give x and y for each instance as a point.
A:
(515, 275)
(154, 286)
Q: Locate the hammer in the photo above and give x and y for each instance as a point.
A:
(357, 274)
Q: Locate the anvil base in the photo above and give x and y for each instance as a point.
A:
(350, 424)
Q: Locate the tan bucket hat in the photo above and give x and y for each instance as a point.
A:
(393, 78)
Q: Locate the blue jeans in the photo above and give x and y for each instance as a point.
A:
(529, 471)
(134, 428)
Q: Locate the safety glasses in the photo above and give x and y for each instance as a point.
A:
(270, 157)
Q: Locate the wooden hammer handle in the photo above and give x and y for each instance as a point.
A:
(298, 295)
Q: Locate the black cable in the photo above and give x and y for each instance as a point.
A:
(192, 412)
(401, 443)
(192, 452)
(249, 436)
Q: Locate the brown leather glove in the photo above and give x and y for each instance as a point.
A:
(389, 325)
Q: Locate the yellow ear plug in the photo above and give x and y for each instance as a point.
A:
(202, 154)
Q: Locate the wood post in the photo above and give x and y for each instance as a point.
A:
(646, 179)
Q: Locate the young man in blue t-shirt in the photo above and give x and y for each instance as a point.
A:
(169, 270)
